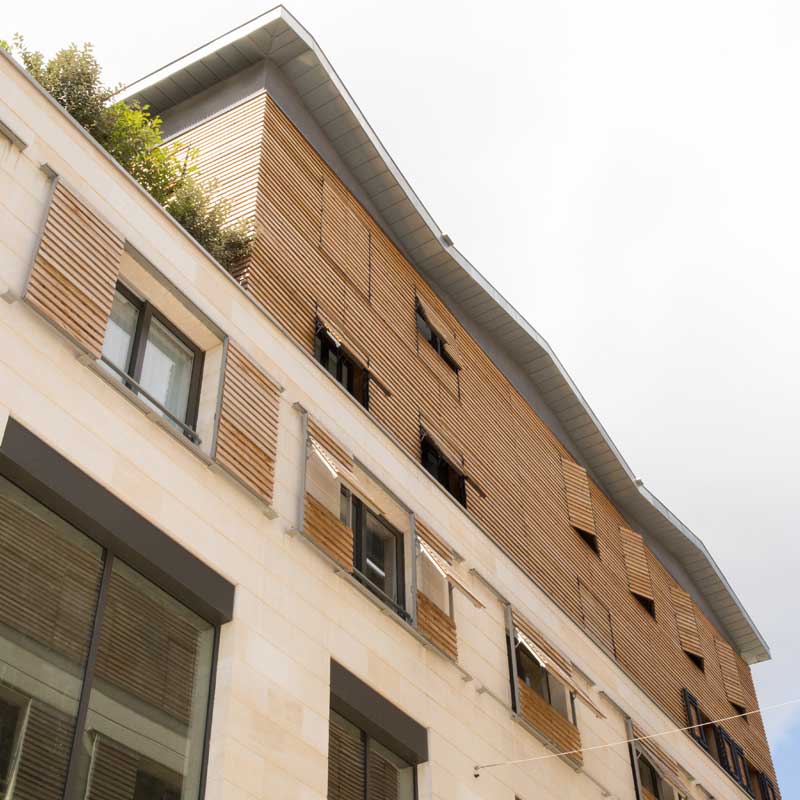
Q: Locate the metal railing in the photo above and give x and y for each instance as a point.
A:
(140, 390)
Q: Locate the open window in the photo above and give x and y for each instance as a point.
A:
(445, 462)
(579, 502)
(341, 364)
(660, 776)
(434, 331)
(654, 784)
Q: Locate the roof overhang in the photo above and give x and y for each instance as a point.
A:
(277, 35)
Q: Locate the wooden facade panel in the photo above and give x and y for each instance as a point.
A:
(247, 431)
(345, 238)
(331, 444)
(686, 622)
(425, 532)
(437, 626)
(730, 673)
(329, 532)
(521, 624)
(527, 511)
(75, 271)
(636, 563)
(597, 618)
(542, 716)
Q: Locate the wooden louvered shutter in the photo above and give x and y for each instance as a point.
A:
(579, 499)
(637, 566)
(75, 271)
(383, 779)
(730, 673)
(596, 618)
(437, 626)
(337, 450)
(346, 761)
(247, 432)
(345, 238)
(112, 775)
(686, 621)
(45, 753)
(424, 532)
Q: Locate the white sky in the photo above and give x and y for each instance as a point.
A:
(627, 175)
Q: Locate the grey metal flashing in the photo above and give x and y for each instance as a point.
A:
(278, 36)
(57, 483)
(373, 713)
(12, 136)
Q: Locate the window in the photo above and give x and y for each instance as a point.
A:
(153, 359)
(695, 718)
(377, 550)
(531, 673)
(649, 777)
(361, 768)
(434, 338)
(726, 750)
(145, 694)
(347, 371)
(446, 473)
(767, 787)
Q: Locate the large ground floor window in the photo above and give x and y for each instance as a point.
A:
(104, 678)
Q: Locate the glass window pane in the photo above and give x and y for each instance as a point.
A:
(167, 369)
(147, 706)
(389, 777)
(49, 581)
(381, 556)
(120, 332)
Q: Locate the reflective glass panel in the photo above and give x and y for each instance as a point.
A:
(121, 329)
(49, 583)
(167, 369)
(381, 556)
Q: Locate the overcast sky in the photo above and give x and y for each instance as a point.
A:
(627, 174)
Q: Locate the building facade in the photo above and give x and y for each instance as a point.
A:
(336, 525)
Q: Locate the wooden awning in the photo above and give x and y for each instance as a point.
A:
(447, 571)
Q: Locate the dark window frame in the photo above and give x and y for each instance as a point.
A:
(434, 338)
(358, 512)
(515, 647)
(347, 367)
(133, 369)
(697, 733)
(441, 469)
(767, 787)
(726, 749)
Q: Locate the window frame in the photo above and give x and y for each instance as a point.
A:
(147, 312)
(357, 512)
(698, 732)
(433, 337)
(324, 345)
(767, 787)
(427, 443)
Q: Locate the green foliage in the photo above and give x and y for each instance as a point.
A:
(133, 137)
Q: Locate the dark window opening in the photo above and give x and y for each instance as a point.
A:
(167, 368)
(695, 719)
(649, 777)
(647, 604)
(377, 552)
(767, 787)
(434, 339)
(590, 539)
(441, 469)
(10, 724)
(739, 710)
(698, 661)
(532, 673)
(341, 365)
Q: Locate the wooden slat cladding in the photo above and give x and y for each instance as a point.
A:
(436, 626)
(523, 625)
(329, 532)
(579, 501)
(597, 618)
(345, 238)
(686, 621)
(75, 271)
(659, 757)
(332, 445)
(113, 771)
(730, 673)
(514, 456)
(45, 752)
(247, 435)
(636, 563)
(438, 544)
(542, 716)
(346, 762)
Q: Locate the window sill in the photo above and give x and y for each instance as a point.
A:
(177, 435)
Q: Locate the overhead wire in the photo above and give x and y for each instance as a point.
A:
(478, 767)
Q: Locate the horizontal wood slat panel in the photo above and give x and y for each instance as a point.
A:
(579, 501)
(542, 716)
(344, 237)
(438, 544)
(636, 563)
(247, 430)
(346, 762)
(113, 771)
(597, 618)
(331, 444)
(75, 271)
(329, 532)
(437, 626)
(730, 673)
(514, 456)
(660, 758)
(683, 605)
